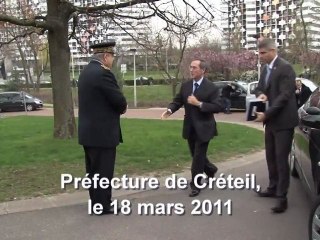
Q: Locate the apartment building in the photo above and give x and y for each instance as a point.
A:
(101, 29)
(269, 18)
(91, 29)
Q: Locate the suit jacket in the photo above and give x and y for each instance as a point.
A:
(200, 119)
(303, 96)
(280, 90)
(100, 104)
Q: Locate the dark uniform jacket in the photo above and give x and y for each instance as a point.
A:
(280, 90)
(100, 105)
(200, 119)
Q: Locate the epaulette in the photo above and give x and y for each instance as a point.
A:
(105, 67)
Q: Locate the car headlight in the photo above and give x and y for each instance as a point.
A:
(37, 101)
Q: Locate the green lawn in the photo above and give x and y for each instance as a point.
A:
(32, 161)
(154, 74)
(147, 96)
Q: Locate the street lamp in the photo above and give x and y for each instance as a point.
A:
(134, 77)
(258, 38)
(72, 65)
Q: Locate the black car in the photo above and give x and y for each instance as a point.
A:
(238, 97)
(17, 101)
(305, 157)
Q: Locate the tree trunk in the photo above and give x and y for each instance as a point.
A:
(64, 121)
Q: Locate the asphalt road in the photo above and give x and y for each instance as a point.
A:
(251, 217)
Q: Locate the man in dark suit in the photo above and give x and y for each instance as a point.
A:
(100, 105)
(226, 97)
(200, 98)
(277, 86)
(302, 93)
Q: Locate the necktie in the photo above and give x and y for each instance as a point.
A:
(196, 86)
(267, 76)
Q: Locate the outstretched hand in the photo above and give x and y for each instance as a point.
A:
(165, 114)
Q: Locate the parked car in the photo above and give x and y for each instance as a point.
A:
(304, 158)
(253, 85)
(144, 80)
(308, 83)
(238, 97)
(242, 83)
(16, 101)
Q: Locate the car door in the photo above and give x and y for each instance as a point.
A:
(251, 92)
(308, 142)
(238, 97)
(7, 102)
(3, 101)
(16, 101)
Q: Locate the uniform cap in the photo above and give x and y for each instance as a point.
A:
(107, 47)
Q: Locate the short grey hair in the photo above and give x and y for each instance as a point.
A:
(203, 64)
(98, 56)
(267, 43)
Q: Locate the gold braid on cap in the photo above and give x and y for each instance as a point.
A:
(103, 50)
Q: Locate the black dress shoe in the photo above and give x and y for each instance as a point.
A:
(267, 193)
(212, 172)
(281, 206)
(110, 210)
(194, 192)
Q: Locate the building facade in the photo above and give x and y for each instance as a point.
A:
(245, 20)
(90, 30)
(124, 31)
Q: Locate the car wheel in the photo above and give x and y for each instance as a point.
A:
(292, 162)
(314, 221)
(29, 107)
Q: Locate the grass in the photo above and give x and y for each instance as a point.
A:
(32, 161)
(154, 74)
(147, 96)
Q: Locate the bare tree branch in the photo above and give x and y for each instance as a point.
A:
(197, 12)
(111, 7)
(75, 22)
(16, 37)
(34, 22)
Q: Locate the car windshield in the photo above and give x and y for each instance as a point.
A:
(28, 96)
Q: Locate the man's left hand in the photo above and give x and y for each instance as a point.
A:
(193, 100)
(260, 117)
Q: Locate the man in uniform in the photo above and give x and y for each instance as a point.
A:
(100, 105)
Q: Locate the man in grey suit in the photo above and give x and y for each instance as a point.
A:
(200, 98)
(277, 86)
(100, 105)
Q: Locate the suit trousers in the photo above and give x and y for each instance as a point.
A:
(278, 145)
(100, 161)
(200, 162)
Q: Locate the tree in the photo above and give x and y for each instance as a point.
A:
(170, 42)
(230, 64)
(55, 24)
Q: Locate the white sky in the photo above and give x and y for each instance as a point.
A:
(212, 33)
